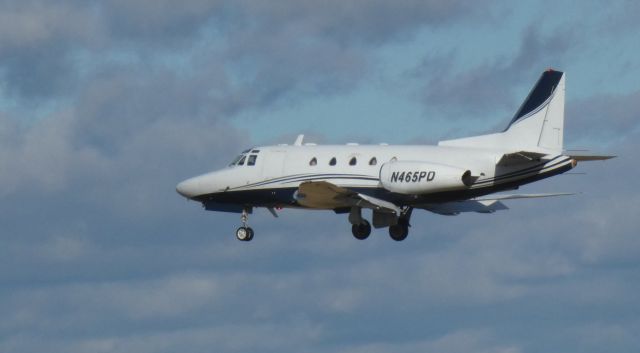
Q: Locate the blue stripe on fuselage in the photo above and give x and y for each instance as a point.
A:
(283, 196)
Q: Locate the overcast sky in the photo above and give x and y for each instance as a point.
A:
(106, 105)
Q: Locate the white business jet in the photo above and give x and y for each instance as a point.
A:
(453, 177)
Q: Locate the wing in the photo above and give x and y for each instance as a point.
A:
(521, 196)
(482, 204)
(588, 158)
(325, 195)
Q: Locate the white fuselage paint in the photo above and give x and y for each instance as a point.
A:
(280, 167)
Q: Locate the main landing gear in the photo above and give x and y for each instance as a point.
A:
(399, 231)
(244, 233)
(362, 230)
(360, 227)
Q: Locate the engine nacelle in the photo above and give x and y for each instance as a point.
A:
(422, 177)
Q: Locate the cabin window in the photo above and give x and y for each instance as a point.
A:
(313, 161)
(242, 160)
(373, 161)
(332, 161)
(255, 151)
(394, 159)
(353, 161)
(252, 159)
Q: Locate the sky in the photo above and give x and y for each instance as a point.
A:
(106, 105)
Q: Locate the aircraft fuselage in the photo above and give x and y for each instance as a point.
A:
(277, 171)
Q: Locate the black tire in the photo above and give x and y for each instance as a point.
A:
(399, 232)
(250, 234)
(242, 233)
(361, 231)
(366, 228)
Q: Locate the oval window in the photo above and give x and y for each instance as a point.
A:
(353, 161)
(332, 161)
(313, 161)
(373, 161)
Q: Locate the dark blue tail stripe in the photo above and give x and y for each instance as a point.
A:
(539, 96)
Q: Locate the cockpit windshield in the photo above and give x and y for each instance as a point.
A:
(240, 159)
(236, 160)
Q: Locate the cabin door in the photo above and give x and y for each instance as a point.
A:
(274, 165)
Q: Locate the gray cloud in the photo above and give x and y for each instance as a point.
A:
(354, 21)
(327, 43)
(604, 116)
(41, 157)
(479, 90)
(41, 40)
(36, 40)
(31, 24)
(158, 23)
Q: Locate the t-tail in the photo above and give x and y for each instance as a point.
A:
(536, 127)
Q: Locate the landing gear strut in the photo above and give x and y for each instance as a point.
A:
(399, 231)
(244, 233)
(360, 227)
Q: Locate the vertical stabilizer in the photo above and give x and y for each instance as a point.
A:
(540, 120)
(537, 125)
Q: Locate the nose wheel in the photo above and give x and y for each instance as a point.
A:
(244, 233)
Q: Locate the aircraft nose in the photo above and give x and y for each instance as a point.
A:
(188, 188)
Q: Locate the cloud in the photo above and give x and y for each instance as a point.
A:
(43, 156)
(461, 341)
(279, 43)
(36, 38)
(157, 22)
(355, 21)
(326, 43)
(477, 91)
(604, 116)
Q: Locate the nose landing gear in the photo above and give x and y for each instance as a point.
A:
(244, 233)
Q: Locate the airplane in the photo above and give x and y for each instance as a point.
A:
(455, 176)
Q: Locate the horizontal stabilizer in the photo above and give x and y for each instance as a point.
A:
(509, 159)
